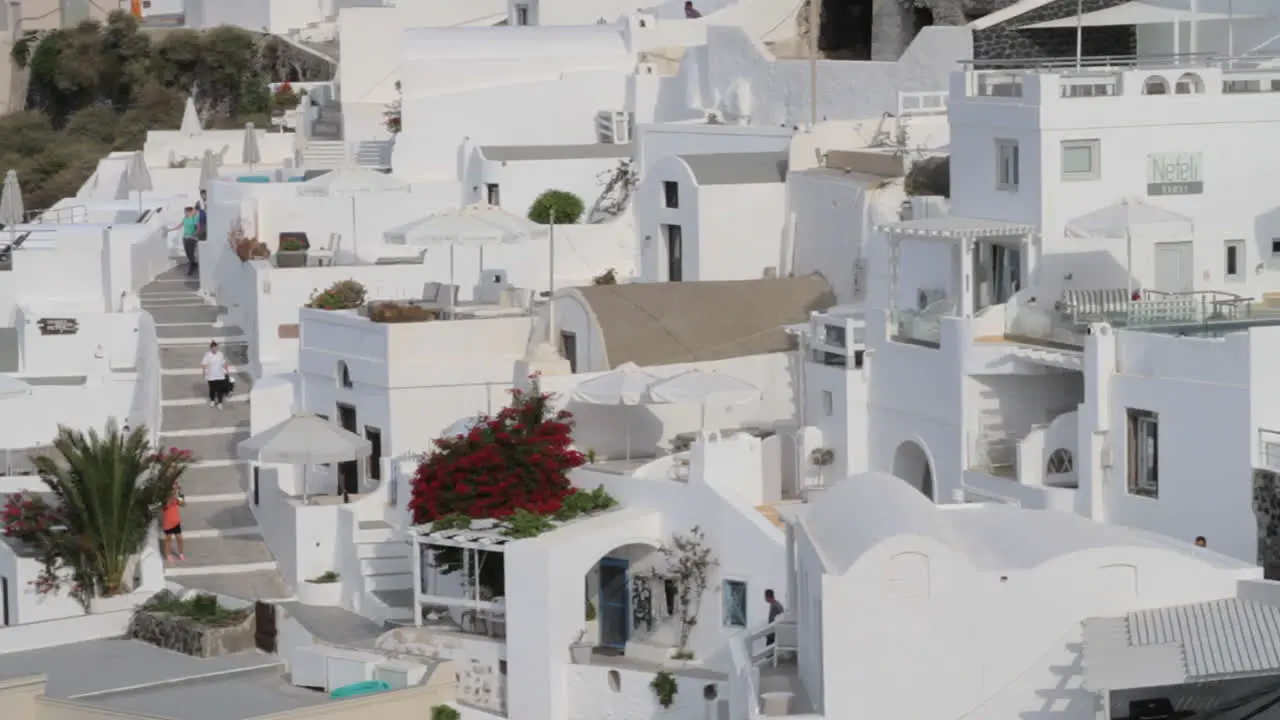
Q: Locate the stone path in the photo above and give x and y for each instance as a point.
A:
(225, 550)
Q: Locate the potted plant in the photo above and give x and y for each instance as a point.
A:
(292, 253)
(323, 590)
(592, 631)
(664, 688)
(580, 649)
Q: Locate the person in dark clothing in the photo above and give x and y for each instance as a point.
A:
(190, 227)
(775, 609)
(690, 11)
(202, 212)
(1201, 542)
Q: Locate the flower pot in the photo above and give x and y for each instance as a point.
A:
(580, 653)
(291, 258)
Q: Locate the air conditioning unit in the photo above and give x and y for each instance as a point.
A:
(614, 127)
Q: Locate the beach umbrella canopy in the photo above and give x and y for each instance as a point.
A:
(626, 384)
(250, 154)
(351, 180)
(190, 118)
(467, 226)
(137, 178)
(11, 211)
(702, 387)
(304, 439)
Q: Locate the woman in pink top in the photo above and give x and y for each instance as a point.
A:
(171, 522)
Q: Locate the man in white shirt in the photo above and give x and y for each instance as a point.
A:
(217, 373)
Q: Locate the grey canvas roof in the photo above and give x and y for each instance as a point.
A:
(1202, 641)
(667, 323)
(516, 153)
(738, 168)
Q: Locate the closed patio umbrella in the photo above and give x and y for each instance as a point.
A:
(137, 178)
(250, 154)
(11, 211)
(304, 439)
(191, 119)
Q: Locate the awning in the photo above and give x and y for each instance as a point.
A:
(1138, 13)
(957, 228)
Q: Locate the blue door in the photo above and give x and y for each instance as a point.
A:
(615, 603)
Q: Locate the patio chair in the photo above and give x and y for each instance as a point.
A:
(436, 295)
(325, 250)
(786, 639)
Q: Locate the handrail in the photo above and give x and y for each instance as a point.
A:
(1111, 61)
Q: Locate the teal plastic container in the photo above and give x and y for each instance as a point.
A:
(368, 687)
(253, 179)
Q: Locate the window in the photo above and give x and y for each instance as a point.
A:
(522, 14)
(1189, 84)
(828, 403)
(670, 194)
(735, 603)
(833, 335)
(1080, 160)
(1234, 261)
(1060, 461)
(675, 252)
(1155, 85)
(492, 196)
(1144, 453)
(569, 349)
(344, 375)
(374, 436)
(1006, 164)
(4, 602)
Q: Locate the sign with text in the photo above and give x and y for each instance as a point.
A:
(58, 326)
(1175, 174)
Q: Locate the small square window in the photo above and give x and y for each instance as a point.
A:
(735, 604)
(1275, 248)
(670, 194)
(1007, 160)
(492, 195)
(1080, 160)
(828, 403)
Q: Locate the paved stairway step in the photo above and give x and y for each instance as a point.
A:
(229, 515)
(215, 480)
(168, 315)
(335, 626)
(220, 446)
(253, 585)
(196, 333)
(177, 272)
(189, 356)
(193, 417)
(231, 550)
(179, 387)
(395, 598)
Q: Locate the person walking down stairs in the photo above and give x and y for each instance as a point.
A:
(218, 374)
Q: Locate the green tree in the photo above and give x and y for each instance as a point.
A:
(560, 205)
(97, 123)
(108, 490)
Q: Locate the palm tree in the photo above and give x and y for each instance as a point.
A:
(109, 491)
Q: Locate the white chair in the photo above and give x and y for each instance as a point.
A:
(786, 638)
(324, 252)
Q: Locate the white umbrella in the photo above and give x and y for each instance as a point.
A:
(1121, 220)
(304, 439)
(191, 119)
(11, 212)
(249, 153)
(702, 387)
(351, 180)
(137, 178)
(469, 226)
(464, 425)
(626, 384)
(208, 170)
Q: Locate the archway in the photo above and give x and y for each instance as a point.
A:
(912, 464)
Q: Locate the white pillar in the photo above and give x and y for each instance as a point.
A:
(793, 593)
(416, 555)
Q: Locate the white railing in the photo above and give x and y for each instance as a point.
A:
(67, 215)
(146, 408)
(995, 455)
(744, 694)
(922, 103)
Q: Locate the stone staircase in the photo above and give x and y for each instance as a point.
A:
(325, 155)
(386, 565)
(225, 550)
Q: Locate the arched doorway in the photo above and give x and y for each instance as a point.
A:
(912, 464)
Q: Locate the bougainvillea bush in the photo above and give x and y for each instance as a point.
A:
(107, 492)
(517, 460)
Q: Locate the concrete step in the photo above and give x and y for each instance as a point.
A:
(391, 605)
(371, 551)
(222, 552)
(197, 333)
(192, 417)
(389, 581)
(375, 533)
(213, 516)
(253, 585)
(385, 565)
(205, 314)
(215, 480)
(220, 446)
(177, 356)
(176, 387)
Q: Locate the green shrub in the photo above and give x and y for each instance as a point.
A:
(342, 295)
(444, 712)
(566, 207)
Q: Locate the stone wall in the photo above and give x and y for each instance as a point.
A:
(184, 635)
(1007, 41)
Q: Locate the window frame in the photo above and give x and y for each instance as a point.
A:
(828, 403)
(671, 194)
(726, 618)
(493, 194)
(1240, 272)
(1011, 182)
(1094, 172)
(1136, 454)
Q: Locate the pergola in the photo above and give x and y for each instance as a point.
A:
(485, 537)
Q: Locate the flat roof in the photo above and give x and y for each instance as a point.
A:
(748, 168)
(238, 696)
(518, 153)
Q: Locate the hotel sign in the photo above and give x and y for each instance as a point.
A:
(1175, 174)
(58, 326)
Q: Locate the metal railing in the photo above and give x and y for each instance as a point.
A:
(995, 455)
(1118, 62)
(923, 326)
(1155, 308)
